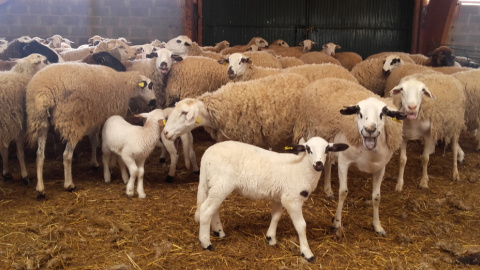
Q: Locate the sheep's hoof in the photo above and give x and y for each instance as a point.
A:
(70, 188)
(40, 196)
(270, 241)
(197, 172)
(210, 247)
(338, 232)
(7, 177)
(95, 168)
(26, 180)
(169, 179)
(162, 160)
(310, 260)
(216, 234)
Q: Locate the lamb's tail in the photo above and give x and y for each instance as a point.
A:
(202, 193)
(39, 107)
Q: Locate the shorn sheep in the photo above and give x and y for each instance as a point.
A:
(132, 144)
(367, 128)
(259, 112)
(12, 104)
(76, 99)
(438, 116)
(285, 179)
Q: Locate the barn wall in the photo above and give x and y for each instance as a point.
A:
(465, 30)
(137, 20)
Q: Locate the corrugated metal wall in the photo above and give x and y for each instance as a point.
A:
(362, 26)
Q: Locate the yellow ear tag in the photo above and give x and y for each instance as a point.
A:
(225, 63)
(396, 120)
(198, 120)
(288, 148)
(141, 84)
(164, 122)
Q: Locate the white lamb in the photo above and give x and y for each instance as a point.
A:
(285, 179)
(133, 144)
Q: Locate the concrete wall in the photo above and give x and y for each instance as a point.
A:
(140, 21)
(465, 27)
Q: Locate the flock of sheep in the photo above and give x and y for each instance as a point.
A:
(336, 108)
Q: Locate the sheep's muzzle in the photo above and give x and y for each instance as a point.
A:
(318, 166)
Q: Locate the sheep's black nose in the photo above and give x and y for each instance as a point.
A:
(163, 65)
(318, 166)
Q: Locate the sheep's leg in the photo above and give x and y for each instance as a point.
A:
(123, 169)
(376, 183)
(461, 154)
(294, 209)
(133, 170)
(7, 176)
(141, 172)
(276, 211)
(428, 148)
(67, 166)
(94, 142)
(186, 149)
(342, 195)
(21, 160)
(401, 167)
(327, 184)
(455, 151)
(209, 207)
(106, 155)
(42, 140)
(163, 153)
(216, 225)
(172, 150)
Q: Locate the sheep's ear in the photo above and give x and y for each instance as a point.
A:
(295, 149)
(349, 110)
(338, 47)
(223, 61)
(152, 55)
(302, 141)
(192, 116)
(150, 85)
(336, 147)
(324, 46)
(142, 115)
(249, 49)
(301, 43)
(428, 94)
(246, 60)
(314, 43)
(142, 84)
(394, 114)
(177, 57)
(396, 90)
(49, 39)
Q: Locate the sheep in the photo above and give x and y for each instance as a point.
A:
(441, 56)
(290, 61)
(318, 58)
(6, 65)
(93, 41)
(263, 59)
(401, 71)
(115, 47)
(258, 112)
(439, 116)
(285, 179)
(76, 99)
(179, 45)
(470, 81)
(404, 56)
(105, 59)
(450, 70)
(156, 68)
(157, 43)
(77, 54)
(133, 144)
(418, 58)
(347, 59)
(145, 51)
(329, 48)
(218, 46)
(3, 44)
(196, 50)
(12, 104)
(368, 129)
(260, 42)
(21, 49)
(281, 43)
(297, 51)
(192, 77)
(58, 42)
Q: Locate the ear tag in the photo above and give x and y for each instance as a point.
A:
(198, 120)
(225, 63)
(396, 120)
(164, 122)
(141, 84)
(288, 148)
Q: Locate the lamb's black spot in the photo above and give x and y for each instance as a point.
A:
(269, 238)
(304, 193)
(308, 149)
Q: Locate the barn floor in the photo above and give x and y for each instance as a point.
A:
(98, 227)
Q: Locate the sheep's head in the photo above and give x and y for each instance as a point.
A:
(3, 44)
(443, 56)
(237, 65)
(55, 40)
(330, 48)
(165, 59)
(281, 43)
(156, 115)
(316, 149)
(93, 41)
(260, 42)
(117, 48)
(411, 91)
(157, 43)
(253, 48)
(307, 45)
(179, 45)
(370, 117)
(183, 118)
(391, 62)
(146, 92)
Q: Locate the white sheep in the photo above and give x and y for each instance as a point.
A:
(260, 42)
(218, 46)
(329, 48)
(179, 45)
(285, 179)
(196, 50)
(258, 112)
(281, 43)
(297, 51)
(3, 44)
(318, 58)
(347, 59)
(76, 99)
(115, 47)
(438, 116)
(133, 144)
(12, 114)
(290, 61)
(367, 128)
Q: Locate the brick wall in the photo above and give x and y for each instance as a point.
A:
(140, 21)
(465, 27)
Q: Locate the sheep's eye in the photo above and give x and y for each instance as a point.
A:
(184, 113)
(179, 41)
(381, 115)
(360, 114)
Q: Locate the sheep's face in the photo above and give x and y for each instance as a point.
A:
(37, 60)
(183, 118)
(126, 52)
(316, 149)
(179, 45)
(307, 45)
(281, 43)
(260, 42)
(55, 41)
(165, 59)
(159, 44)
(411, 91)
(330, 48)
(95, 40)
(253, 48)
(370, 118)
(146, 92)
(391, 63)
(237, 65)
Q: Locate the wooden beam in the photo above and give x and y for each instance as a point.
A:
(200, 21)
